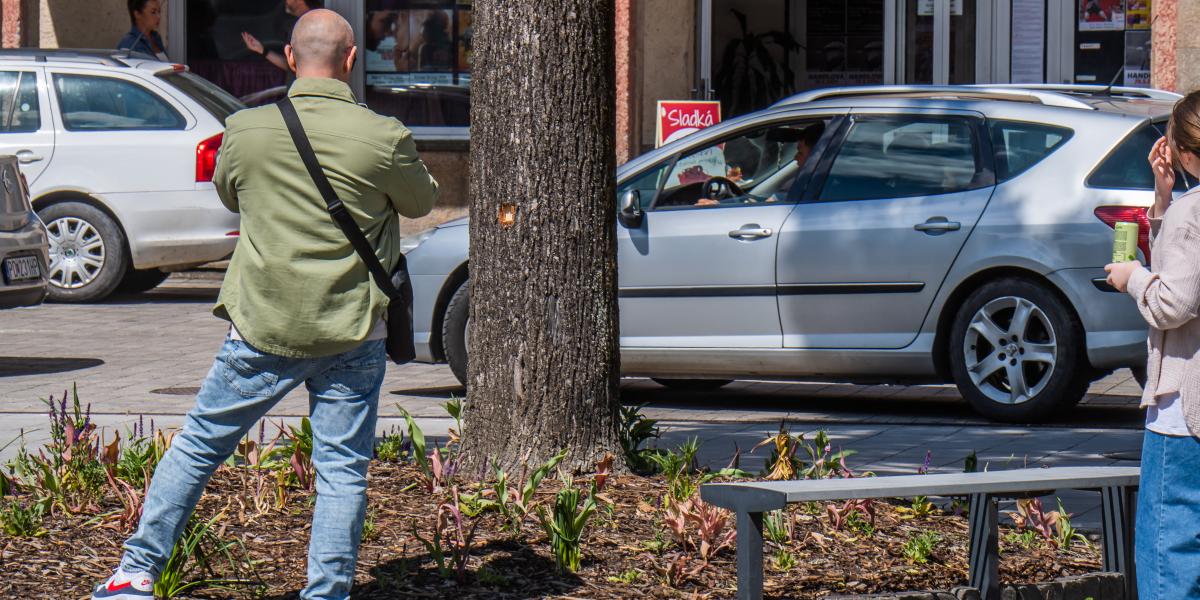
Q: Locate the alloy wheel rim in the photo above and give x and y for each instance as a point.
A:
(76, 252)
(1010, 350)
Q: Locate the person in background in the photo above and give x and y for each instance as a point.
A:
(302, 308)
(1167, 293)
(144, 16)
(296, 8)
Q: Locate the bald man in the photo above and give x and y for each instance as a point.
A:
(301, 306)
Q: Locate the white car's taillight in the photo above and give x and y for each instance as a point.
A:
(206, 157)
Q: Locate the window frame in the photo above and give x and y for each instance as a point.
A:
(976, 121)
(186, 120)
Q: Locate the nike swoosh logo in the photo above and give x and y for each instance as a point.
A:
(118, 588)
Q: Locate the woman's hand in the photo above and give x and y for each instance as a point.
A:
(1118, 274)
(1162, 165)
(253, 45)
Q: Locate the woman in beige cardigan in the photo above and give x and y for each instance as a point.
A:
(1167, 541)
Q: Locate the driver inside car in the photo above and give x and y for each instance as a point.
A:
(716, 188)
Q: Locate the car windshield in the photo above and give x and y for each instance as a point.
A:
(215, 100)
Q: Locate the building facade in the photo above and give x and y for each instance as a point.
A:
(416, 54)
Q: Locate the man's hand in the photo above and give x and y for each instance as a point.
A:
(252, 43)
(1118, 274)
(707, 202)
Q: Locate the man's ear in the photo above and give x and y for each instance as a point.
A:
(351, 58)
(291, 58)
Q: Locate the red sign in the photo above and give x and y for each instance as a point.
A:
(677, 118)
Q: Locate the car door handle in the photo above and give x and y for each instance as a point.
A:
(937, 225)
(751, 232)
(27, 156)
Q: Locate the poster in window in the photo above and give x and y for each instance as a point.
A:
(1101, 15)
(1137, 58)
(401, 41)
(1137, 14)
(1027, 62)
(466, 32)
(925, 8)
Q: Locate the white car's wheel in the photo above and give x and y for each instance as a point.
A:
(87, 252)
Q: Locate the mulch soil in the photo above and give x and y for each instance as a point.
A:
(77, 552)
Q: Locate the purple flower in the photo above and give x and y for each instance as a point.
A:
(925, 467)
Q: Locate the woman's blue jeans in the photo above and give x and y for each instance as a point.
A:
(239, 390)
(1167, 539)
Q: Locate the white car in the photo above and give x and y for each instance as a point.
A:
(119, 152)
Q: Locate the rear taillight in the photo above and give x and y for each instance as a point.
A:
(206, 157)
(1111, 215)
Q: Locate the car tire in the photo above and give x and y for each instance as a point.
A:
(692, 385)
(137, 281)
(1045, 354)
(88, 256)
(455, 331)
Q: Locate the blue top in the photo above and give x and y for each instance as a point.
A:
(137, 41)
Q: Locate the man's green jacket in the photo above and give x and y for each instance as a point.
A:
(295, 287)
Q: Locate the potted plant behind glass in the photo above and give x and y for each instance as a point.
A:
(751, 76)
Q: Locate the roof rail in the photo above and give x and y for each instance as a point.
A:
(1091, 90)
(957, 92)
(102, 57)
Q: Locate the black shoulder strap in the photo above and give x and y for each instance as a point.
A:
(337, 210)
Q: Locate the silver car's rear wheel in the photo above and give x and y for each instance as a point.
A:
(88, 256)
(1010, 350)
(1016, 351)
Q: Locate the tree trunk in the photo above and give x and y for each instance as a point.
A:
(544, 351)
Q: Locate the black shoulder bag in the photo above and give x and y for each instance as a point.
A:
(398, 286)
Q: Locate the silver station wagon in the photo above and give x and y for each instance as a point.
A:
(886, 234)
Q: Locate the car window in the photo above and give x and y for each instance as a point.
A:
(1126, 167)
(751, 168)
(1019, 146)
(19, 109)
(91, 103)
(902, 156)
(215, 100)
(646, 184)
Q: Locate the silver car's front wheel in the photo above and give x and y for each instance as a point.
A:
(1016, 351)
(76, 252)
(88, 256)
(1010, 350)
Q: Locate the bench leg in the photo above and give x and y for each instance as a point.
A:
(750, 556)
(985, 547)
(1116, 506)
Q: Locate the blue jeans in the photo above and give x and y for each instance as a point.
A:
(239, 390)
(1167, 539)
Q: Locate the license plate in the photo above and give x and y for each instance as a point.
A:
(23, 268)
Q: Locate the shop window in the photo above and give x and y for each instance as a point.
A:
(418, 61)
(217, 51)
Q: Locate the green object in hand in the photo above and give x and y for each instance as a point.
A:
(1125, 242)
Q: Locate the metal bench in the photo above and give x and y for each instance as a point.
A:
(1117, 486)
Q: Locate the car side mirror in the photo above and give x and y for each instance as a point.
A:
(630, 215)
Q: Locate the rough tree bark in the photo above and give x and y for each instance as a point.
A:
(544, 348)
